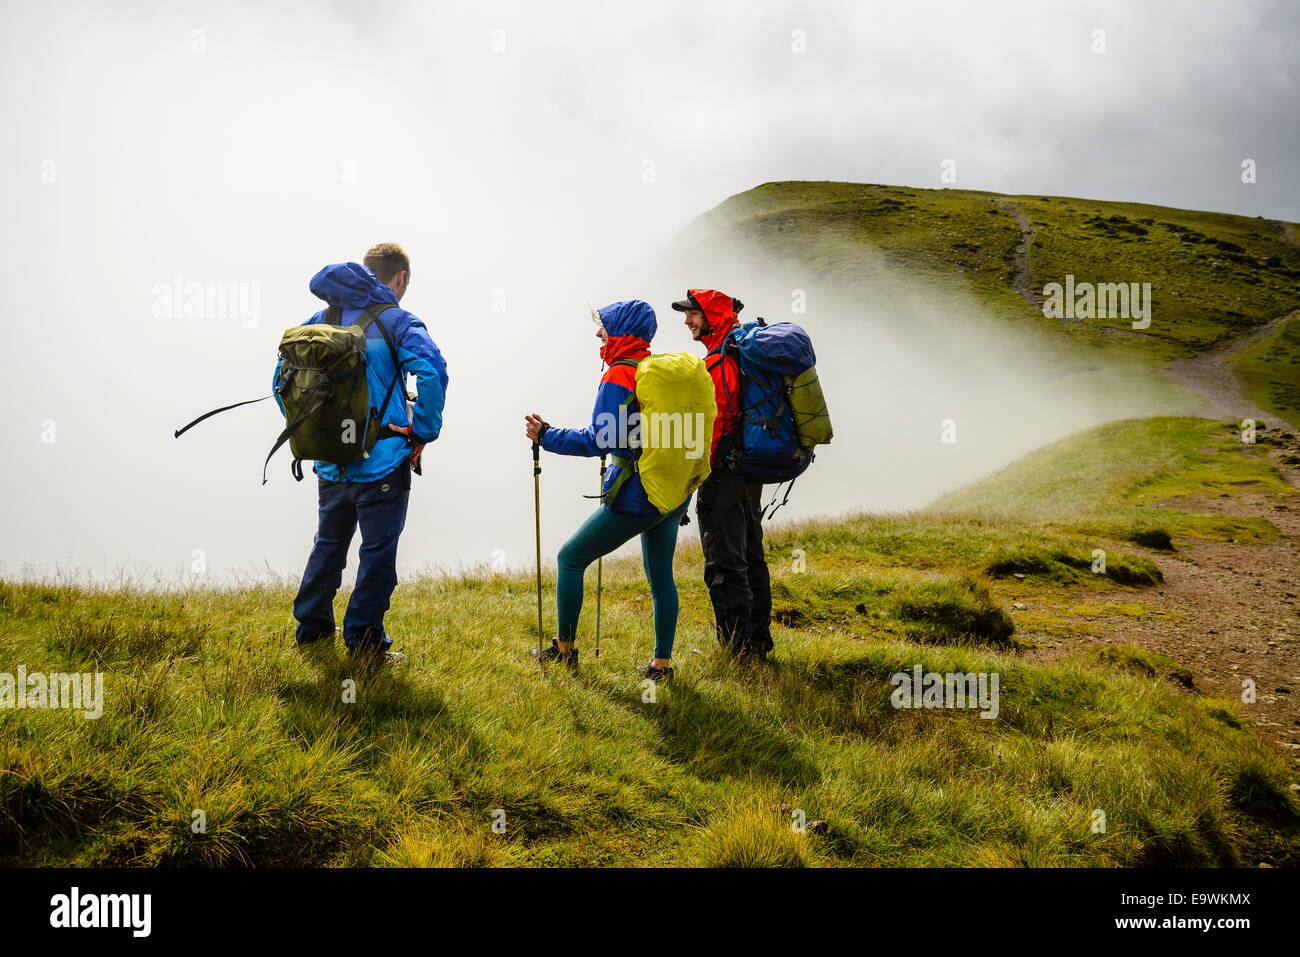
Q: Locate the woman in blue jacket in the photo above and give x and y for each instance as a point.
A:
(625, 330)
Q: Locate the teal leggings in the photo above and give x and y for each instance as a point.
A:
(601, 534)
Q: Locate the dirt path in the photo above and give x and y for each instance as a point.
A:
(1227, 611)
(1210, 375)
(1021, 281)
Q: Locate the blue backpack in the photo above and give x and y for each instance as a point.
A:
(781, 413)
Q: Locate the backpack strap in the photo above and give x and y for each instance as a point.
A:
(771, 507)
(207, 415)
(332, 317)
(370, 315)
(720, 351)
(226, 408)
(780, 389)
(320, 396)
(627, 466)
(715, 352)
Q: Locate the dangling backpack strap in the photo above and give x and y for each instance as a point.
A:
(773, 504)
(224, 408)
(627, 466)
(331, 317)
(321, 396)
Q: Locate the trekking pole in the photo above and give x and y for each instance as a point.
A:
(599, 562)
(537, 512)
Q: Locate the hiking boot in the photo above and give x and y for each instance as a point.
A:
(741, 651)
(311, 642)
(553, 653)
(657, 675)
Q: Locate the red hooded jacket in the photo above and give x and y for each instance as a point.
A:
(721, 318)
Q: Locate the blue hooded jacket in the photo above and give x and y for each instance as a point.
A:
(352, 287)
(630, 325)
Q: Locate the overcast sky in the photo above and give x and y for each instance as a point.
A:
(524, 153)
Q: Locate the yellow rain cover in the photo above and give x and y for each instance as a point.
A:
(675, 392)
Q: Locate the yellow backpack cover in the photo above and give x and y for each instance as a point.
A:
(678, 409)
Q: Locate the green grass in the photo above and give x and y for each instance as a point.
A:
(1105, 482)
(1146, 663)
(1270, 371)
(209, 708)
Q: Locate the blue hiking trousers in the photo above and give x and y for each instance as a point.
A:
(379, 508)
(601, 534)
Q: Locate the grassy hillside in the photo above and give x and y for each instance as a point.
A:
(1213, 276)
(209, 708)
(1270, 370)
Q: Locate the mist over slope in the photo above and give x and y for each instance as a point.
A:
(1213, 275)
(933, 300)
(925, 305)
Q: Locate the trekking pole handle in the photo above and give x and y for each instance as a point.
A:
(537, 461)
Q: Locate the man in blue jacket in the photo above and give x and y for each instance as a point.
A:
(371, 493)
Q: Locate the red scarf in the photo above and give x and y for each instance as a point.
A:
(624, 347)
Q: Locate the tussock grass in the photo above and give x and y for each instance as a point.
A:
(754, 837)
(947, 610)
(1141, 662)
(1071, 565)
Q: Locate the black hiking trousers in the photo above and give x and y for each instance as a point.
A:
(730, 511)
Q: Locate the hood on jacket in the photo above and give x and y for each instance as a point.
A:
(719, 312)
(630, 325)
(350, 286)
(631, 318)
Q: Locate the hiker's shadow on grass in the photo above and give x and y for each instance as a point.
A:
(844, 699)
(708, 738)
(379, 700)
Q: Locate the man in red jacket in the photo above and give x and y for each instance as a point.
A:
(729, 506)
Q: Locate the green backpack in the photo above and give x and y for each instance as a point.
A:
(328, 412)
(327, 408)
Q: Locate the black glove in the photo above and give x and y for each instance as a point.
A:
(727, 452)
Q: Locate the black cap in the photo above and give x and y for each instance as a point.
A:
(690, 302)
